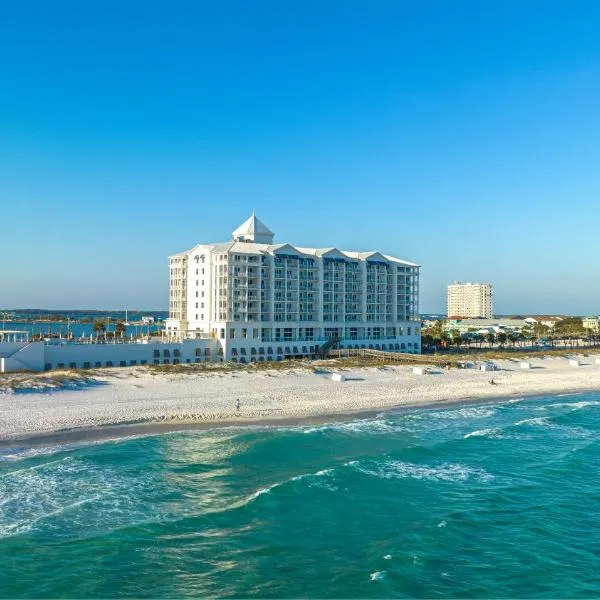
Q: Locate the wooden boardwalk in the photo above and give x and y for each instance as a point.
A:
(384, 356)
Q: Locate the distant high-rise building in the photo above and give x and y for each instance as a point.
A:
(470, 300)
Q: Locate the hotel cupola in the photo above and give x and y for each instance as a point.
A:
(253, 230)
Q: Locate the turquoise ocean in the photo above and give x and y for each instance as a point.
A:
(500, 499)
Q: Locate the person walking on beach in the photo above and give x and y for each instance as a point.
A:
(237, 404)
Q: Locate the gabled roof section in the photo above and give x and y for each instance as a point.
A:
(253, 230)
(374, 256)
(400, 261)
(287, 249)
(331, 253)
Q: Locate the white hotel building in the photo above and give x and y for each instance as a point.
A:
(263, 301)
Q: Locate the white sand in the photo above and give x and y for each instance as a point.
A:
(137, 395)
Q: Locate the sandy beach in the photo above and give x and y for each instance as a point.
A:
(132, 397)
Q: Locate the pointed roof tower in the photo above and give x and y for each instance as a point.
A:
(253, 230)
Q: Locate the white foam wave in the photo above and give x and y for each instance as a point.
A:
(466, 412)
(442, 524)
(18, 454)
(26, 526)
(367, 426)
(574, 405)
(265, 490)
(378, 576)
(395, 469)
(40, 496)
(492, 433)
(536, 422)
(268, 489)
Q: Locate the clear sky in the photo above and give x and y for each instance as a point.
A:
(463, 135)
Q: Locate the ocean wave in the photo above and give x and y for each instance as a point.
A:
(378, 576)
(493, 433)
(99, 498)
(366, 426)
(268, 489)
(575, 405)
(27, 525)
(536, 422)
(19, 453)
(395, 469)
(466, 412)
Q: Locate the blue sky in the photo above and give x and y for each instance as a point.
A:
(462, 135)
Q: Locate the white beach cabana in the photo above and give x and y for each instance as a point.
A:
(420, 370)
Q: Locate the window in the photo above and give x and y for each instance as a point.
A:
(244, 333)
(255, 333)
(222, 333)
(232, 333)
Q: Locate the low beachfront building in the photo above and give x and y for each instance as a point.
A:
(45, 355)
(265, 301)
(592, 323)
(482, 326)
(549, 321)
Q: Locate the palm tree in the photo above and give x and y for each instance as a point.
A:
(502, 339)
(99, 327)
(512, 339)
(120, 328)
(478, 339)
(456, 337)
(490, 338)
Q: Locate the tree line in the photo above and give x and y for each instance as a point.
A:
(569, 332)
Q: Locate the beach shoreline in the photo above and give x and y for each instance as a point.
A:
(136, 403)
(116, 431)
